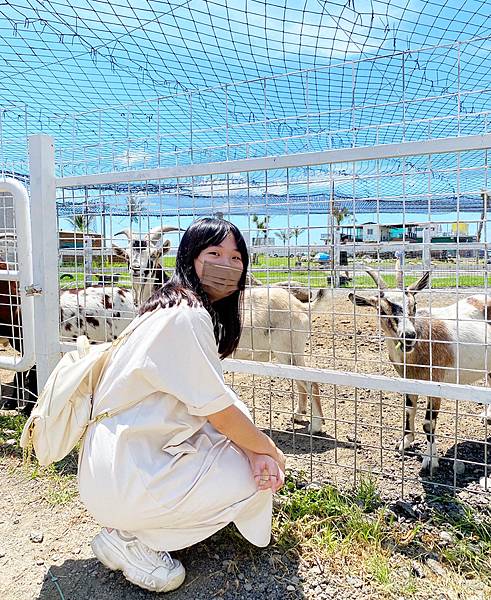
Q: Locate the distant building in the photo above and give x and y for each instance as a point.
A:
(405, 232)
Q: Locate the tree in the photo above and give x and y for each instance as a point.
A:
(135, 207)
(262, 225)
(339, 214)
(285, 235)
(82, 223)
(297, 232)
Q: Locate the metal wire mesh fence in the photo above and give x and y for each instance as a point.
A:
(348, 319)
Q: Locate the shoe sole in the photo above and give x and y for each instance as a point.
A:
(100, 546)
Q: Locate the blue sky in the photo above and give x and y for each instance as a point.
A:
(133, 84)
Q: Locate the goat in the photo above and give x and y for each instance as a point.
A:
(102, 312)
(276, 323)
(143, 256)
(294, 287)
(446, 344)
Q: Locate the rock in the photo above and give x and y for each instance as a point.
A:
(290, 588)
(216, 557)
(2, 553)
(485, 483)
(406, 509)
(40, 562)
(248, 587)
(354, 581)
(446, 537)
(459, 467)
(436, 567)
(10, 442)
(240, 576)
(417, 569)
(313, 485)
(36, 536)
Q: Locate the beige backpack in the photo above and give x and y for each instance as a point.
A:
(64, 409)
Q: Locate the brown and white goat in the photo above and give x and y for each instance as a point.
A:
(277, 324)
(447, 344)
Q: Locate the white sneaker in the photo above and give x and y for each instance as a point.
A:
(150, 569)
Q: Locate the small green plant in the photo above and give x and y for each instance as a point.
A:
(60, 489)
(378, 568)
(11, 427)
(367, 495)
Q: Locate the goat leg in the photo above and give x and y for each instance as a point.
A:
(410, 415)
(317, 415)
(430, 458)
(301, 407)
(486, 413)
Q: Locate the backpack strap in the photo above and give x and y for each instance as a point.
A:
(108, 353)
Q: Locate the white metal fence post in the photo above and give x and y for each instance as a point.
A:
(44, 254)
(88, 258)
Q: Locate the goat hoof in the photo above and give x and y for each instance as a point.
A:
(485, 416)
(299, 416)
(405, 443)
(430, 463)
(316, 425)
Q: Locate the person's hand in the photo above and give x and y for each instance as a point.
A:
(280, 458)
(266, 472)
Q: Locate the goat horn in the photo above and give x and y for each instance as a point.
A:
(377, 278)
(157, 232)
(126, 232)
(399, 275)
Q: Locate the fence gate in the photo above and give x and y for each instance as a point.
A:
(16, 290)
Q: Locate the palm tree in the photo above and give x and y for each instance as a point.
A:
(262, 225)
(339, 214)
(285, 235)
(82, 223)
(297, 232)
(134, 205)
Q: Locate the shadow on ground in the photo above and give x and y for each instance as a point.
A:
(222, 567)
(462, 465)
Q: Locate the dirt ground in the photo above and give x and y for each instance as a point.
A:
(359, 440)
(362, 427)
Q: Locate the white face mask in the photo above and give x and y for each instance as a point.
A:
(219, 281)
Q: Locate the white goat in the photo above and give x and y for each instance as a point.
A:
(276, 319)
(277, 324)
(447, 344)
(102, 312)
(144, 255)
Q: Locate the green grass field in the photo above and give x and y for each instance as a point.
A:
(270, 270)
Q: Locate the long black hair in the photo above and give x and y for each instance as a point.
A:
(185, 284)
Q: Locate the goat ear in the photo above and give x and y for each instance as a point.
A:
(420, 284)
(165, 247)
(360, 300)
(156, 253)
(120, 252)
